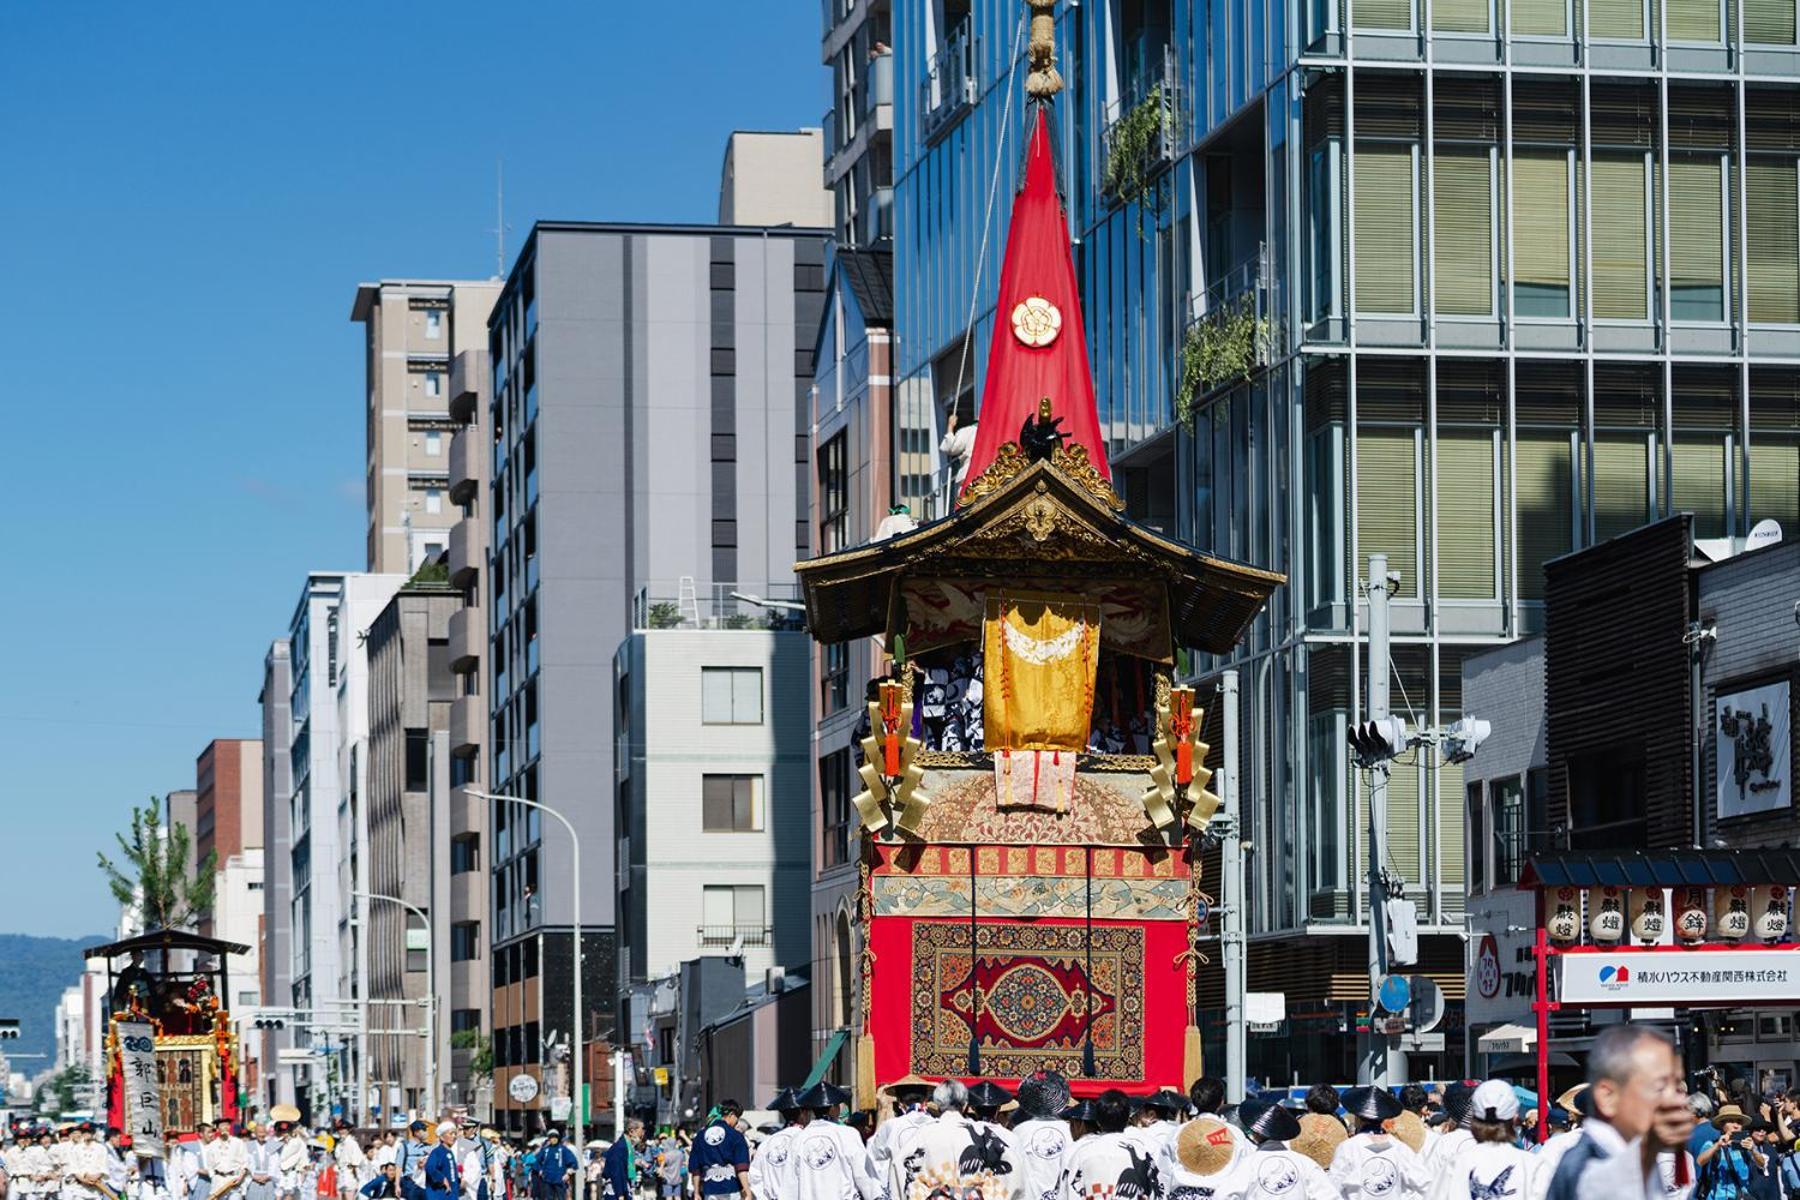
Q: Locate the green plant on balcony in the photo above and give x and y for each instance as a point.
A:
(434, 572)
(481, 1062)
(1131, 152)
(1224, 346)
(665, 614)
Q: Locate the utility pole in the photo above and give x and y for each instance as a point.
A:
(1375, 1046)
(1231, 884)
(618, 1096)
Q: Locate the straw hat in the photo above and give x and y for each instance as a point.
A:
(1320, 1136)
(1575, 1099)
(909, 1085)
(284, 1112)
(1409, 1130)
(1205, 1146)
(1730, 1112)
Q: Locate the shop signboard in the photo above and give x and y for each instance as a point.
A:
(1693, 978)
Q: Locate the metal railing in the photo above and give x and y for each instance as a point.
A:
(1245, 291)
(1164, 86)
(948, 89)
(687, 605)
(735, 935)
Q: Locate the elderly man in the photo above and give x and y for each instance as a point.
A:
(616, 1173)
(1638, 1113)
(442, 1178)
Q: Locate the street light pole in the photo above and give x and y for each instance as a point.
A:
(431, 1061)
(578, 1049)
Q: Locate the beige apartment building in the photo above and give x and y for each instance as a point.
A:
(415, 330)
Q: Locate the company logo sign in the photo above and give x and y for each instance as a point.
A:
(1615, 978)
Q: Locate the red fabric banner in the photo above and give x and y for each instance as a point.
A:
(1040, 348)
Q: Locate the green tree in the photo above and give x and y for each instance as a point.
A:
(154, 877)
(58, 1093)
(481, 1062)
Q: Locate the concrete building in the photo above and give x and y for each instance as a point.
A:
(859, 128)
(1452, 362)
(180, 809)
(771, 178)
(275, 946)
(228, 822)
(714, 780)
(410, 856)
(651, 451)
(327, 735)
(414, 329)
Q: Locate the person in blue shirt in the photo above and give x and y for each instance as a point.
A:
(385, 1185)
(556, 1163)
(1728, 1162)
(443, 1178)
(719, 1164)
(409, 1155)
(616, 1175)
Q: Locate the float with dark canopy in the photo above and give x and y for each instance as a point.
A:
(1034, 791)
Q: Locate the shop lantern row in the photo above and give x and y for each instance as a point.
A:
(1730, 915)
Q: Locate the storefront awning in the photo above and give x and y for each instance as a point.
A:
(826, 1058)
(1661, 868)
(1507, 1039)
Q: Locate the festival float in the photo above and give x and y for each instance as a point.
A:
(1035, 801)
(171, 1052)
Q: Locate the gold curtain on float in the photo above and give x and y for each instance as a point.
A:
(1040, 656)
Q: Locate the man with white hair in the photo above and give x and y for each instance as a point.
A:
(1638, 1113)
(442, 1180)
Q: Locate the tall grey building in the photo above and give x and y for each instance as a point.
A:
(277, 1087)
(859, 128)
(650, 443)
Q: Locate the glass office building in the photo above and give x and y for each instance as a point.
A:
(1472, 283)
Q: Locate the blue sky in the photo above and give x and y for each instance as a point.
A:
(189, 194)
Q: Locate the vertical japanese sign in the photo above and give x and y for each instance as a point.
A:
(143, 1108)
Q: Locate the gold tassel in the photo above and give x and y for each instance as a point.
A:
(865, 1072)
(1193, 1064)
(1040, 51)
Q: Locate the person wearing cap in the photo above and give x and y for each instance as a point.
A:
(1153, 1126)
(1730, 1162)
(1106, 1161)
(1040, 1134)
(1269, 1127)
(1637, 1111)
(352, 1163)
(556, 1166)
(443, 1179)
(292, 1160)
(1454, 1136)
(1492, 1166)
(826, 1160)
(720, 1162)
(908, 1097)
(410, 1153)
(986, 1098)
(769, 1175)
(1080, 1116)
(476, 1159)
(1372, 1163)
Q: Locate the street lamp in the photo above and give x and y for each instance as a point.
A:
(431, 1063)
(580, 1050)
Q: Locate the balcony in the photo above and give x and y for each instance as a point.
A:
(726, 936)
(468, 812)
(465, 552)
(878, 87)
(876, 221)
(1143, 130)
(1234, 331)
(468, 724)
(468, 460)
(948, 89)
(685, 606)
(467, 370)
(468, 637)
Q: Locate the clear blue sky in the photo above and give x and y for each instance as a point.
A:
(189, 194)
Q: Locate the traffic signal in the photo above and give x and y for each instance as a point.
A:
(1463, 738)
(270, 1022)
(1379, 740)
(9, 1027)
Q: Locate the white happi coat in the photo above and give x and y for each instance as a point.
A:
(1374, 1166)
(770, 1178)
(827, 1161)
(1485, 1171)
(881, 1146)
(1111, 1164)
(1040, 1146)
(1445, 1147)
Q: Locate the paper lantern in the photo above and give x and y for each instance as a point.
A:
(1606, 924)
(1647, 927)
(1733, 906)
(1690, 918)
(1772, 922)
(1564, 925)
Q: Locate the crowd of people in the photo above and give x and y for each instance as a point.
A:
(1634, 1131)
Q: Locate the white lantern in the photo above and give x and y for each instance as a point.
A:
(1607, 924)
(1564, 925)
(1690, 921)
(1647, 926)
(1772, 922)
(1734, 917)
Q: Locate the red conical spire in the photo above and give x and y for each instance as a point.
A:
(1040, 348)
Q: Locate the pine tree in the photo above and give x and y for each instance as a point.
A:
(154, 878)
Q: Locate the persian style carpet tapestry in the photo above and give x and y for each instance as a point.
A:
(1032, 994)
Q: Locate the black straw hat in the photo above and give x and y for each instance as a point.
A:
(1081, 1110)
(1265, 1117)
(821, 1095)
(1167, 1102)
(1043, 1095)
(1371, 1104)
(784, 1101)
(988, 1094)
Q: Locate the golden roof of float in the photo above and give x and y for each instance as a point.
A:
(1050, 525)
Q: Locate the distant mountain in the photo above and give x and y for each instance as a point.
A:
(33, 973)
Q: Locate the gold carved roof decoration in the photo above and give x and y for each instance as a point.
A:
(1010, 462)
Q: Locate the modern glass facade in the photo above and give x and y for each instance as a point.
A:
(1346, 293)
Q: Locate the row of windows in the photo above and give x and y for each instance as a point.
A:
(1697, 22)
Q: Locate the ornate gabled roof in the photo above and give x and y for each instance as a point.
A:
(1052, 525)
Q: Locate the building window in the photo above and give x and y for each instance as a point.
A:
(418, 760)
(434, 443)
(834, 677)
(463, 1020)
(434, 500)
(731, 695)
(1773, 185)
(731, 803)
(834, 808)
(1697, 238)
(733, 914)
(1387, 235)
(465, 853)
(834, 495)
(434, 323)
(1477, 845)
(434, 383)
(1542, 233)
(465, 941)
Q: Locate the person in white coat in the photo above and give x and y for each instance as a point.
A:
(1454, 1136)
(948, 1149)
(995, 1145)
(262, 1152)
(84, 1166)
(1491, 1167)
(32, 1172)
(908, 1097)
(828, 1161)
(770, 1174)
(1372, 1164)
(292, 1161)
(1041, 1138)
(1281, 1173)
(227, 1162)
(1108, 1162)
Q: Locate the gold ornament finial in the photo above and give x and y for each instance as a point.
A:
(1040, 52)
